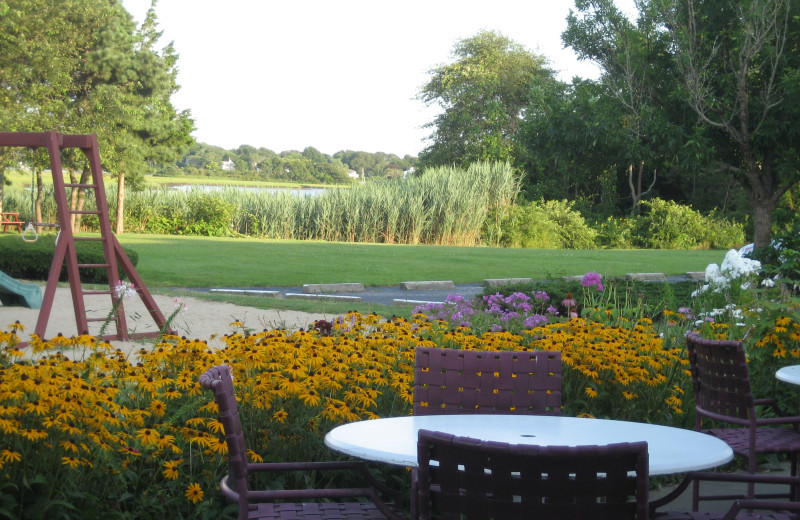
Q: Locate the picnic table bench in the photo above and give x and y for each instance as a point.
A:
(10, 218)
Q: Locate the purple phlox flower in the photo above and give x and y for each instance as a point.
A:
(541, 295)
(518, 296)
(592, 280)
(496, 327)
(534, 320)
(551, 310)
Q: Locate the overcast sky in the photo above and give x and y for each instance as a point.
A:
(335, 75)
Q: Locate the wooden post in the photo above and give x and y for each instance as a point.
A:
(120, 203)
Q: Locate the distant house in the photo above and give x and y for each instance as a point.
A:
(228, 165)
(352, 174)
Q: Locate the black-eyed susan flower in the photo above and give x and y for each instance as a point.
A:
(194, 493)
(171, 469)
(148, 436)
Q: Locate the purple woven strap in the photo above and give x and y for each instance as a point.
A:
(768, 440)
(489, 480)
(720, 377)
(453, 381)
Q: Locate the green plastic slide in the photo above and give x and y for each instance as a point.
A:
(14, 292)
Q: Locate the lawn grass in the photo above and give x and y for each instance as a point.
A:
(171, 261)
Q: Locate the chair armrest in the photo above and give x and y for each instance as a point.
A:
(744, 477)
(333, 465)
(795, 420)
(772, 505)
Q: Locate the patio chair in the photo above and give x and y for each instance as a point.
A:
(741, 509)
(361, 503)
(464, 478)
(453, 381)
(723, 395)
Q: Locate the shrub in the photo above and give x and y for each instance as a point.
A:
(528, 226)
(616, 233)
(668, 225)
(547, 225)
(32, 260)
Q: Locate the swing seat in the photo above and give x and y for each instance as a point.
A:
(14, 292)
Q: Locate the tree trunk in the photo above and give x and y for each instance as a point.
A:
(81, 202)
(2, 184)
(73, 199)
(37, 204)
(636, 191)
(763, 208)
(120, 203)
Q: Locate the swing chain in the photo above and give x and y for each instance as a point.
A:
(31, 229)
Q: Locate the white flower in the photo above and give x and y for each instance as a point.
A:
(768, 282)
(124, 290)
(736, 266)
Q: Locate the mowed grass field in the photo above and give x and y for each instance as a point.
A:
(175, 261)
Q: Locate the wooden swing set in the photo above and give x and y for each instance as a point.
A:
(115, 256)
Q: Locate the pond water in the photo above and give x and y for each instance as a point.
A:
(300, 192)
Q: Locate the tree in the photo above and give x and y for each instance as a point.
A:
(732, 65)
(482, 94)
(573, 146)
(740, 65)
(80, 66)
(638, 90)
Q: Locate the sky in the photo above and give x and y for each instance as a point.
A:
(335, 75)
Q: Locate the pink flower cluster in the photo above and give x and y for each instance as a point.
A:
(592, 280)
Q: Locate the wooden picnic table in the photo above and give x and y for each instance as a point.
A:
(10, 218)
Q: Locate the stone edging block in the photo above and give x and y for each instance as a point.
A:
(330, 297)
(249, 292)
(399, 302)
(324, 288)
(497, 282)
(647, 277)
(428, 286)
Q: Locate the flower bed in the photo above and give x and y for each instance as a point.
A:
(102, 434)
(102, 437)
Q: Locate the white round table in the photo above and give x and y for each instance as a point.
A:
(394, 440)
(790, 374)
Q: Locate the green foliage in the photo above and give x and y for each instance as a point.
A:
(482, 95)
(648, 298)
(547, 225)
(442, 206)
(32, 260)
(616, 233)
(668, 225)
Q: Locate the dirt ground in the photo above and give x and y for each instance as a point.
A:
(196, 318)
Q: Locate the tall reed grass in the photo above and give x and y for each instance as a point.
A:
(445, 206)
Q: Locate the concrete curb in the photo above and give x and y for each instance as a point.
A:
(324, 288)
(647, 277)
(498, 282)
(399, 302)
(330, 297)
(428, 286)
(249, 292)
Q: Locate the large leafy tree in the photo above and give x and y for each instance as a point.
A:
(739, 62)
(481, 94)
(732, 65)
(645, 121)
(81, 66)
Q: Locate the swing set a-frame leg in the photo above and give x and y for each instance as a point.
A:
(65, 251)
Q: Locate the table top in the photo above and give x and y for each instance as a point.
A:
(394, 440)
(790, 374)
